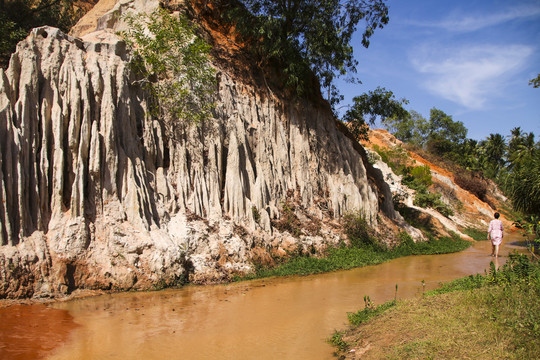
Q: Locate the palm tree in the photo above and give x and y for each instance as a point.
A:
(494, 152)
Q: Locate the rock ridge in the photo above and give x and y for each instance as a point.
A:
(94, 195)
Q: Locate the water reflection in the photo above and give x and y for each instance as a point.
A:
(32, 331)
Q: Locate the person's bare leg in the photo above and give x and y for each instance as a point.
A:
(492, 250)
(496, 250)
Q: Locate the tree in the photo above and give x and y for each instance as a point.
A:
(523, 183)
(172, 63)
(535, 82)
(411, 128)
(309, 36)
(17, 17)
(369, 106)
(493, 155)
(444, 135)
(520, 146)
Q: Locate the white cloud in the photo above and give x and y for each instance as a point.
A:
(459, 22)
(470, 76)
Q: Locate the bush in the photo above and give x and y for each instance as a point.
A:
(426, 199)
(422, 175)
(172, 63)
(474, 184)
(288, 221)
(358, 230)
(396, 158)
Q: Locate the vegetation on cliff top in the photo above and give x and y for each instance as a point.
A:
(18, 17)
(172, 63)
(306, 37)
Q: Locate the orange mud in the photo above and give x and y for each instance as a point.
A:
(32, 331)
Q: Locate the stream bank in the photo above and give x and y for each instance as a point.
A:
(289, 318)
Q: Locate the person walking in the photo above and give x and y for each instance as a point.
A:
(495, 233)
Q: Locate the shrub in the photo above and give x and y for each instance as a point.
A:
(474, 184)
(288, 221)
(172, 63)
(357, 229)
(396, 158)
(426, 199)
(422, 175)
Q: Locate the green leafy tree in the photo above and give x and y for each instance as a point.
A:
(523, 183)
(369, 106)
(468, 155)
(535, 82)
(443, 133)
(520, 146)
(306, 36)
(494, 151)
(172, 63)
(411, 129)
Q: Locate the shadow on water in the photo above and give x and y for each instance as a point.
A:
(286, 318)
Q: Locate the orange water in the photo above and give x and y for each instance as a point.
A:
(284, 318)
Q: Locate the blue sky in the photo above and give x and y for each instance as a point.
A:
(471, 59)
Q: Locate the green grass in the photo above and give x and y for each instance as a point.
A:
(343, 258)
(495, 315)
(368, 312)
(476, 234)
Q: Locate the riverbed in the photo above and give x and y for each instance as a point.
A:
(279, 318)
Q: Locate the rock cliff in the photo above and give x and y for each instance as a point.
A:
(94, 195)
(468, 210)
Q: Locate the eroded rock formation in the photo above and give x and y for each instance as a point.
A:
(94, 195)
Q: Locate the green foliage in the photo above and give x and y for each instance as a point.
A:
(17, 17)
(443, 128)
(337, 341)
(418, 177)
(531, 226)
(172, 63)
(411, 129)
(369, 311)
(535, 82)
(358, 230)
(426, 199)
(440, 135)
(343, 258)
(523, 182)
(476, 234)
(288, 221)
(368, 106)
(518, 269)
(304, 37)
(397, 158)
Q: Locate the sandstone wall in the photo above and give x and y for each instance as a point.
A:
(93, 195)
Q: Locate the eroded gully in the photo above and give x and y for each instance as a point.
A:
(282, 318)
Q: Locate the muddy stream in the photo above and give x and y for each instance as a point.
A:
(283, 318)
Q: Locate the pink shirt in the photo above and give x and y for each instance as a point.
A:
(495, 230)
